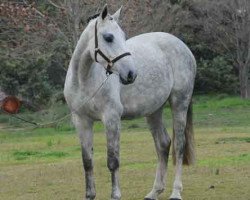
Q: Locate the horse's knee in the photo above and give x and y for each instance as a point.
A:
(87, 160)
(112, 162)
(87, 164)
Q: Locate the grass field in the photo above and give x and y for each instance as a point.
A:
(45, 163)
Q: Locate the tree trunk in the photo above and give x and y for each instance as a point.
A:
(244, 82)
(248, 83)
(248, 89)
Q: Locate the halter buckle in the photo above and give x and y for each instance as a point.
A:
(108, 72)
(110, 64)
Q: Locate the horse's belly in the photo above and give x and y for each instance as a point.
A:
(141, 107)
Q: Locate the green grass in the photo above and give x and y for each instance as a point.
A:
(23, 155)
(233, 140)
(45, 163)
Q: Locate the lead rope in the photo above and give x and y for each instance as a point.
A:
(38, 125)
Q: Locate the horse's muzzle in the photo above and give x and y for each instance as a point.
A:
(130, 78)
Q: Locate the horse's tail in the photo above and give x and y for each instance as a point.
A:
(189, 153)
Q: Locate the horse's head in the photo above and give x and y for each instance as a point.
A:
(110, 48)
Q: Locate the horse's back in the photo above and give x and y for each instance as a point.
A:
(162, 47)
(164, 64)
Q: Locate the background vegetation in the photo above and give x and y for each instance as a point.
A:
(38, 38)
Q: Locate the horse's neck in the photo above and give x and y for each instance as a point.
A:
(81, 60)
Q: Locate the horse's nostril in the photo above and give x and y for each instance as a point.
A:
(130, 77)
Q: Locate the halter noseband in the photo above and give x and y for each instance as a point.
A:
(110, 62)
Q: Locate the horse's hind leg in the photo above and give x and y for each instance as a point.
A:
(182, 139)
(84, 129)
(162, 144)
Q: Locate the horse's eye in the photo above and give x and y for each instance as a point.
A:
(108, 37)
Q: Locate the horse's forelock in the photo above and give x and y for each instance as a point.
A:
(93, 17)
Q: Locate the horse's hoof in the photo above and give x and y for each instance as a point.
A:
(148, 199)
(174, 199)
(116, 197)
(90, 198)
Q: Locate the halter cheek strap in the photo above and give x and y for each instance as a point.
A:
(109, 61)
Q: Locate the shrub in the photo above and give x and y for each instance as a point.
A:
(216, 75)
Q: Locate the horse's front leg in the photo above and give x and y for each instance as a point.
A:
(111, 122)
(84, 128)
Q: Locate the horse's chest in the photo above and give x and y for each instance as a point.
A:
(94, 105)
(91, 107)
(149, 92)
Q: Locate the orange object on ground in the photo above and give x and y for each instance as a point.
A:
(11, 104)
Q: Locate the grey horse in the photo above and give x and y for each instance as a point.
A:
(145, 71)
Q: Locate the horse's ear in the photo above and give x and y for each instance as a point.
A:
(117, 14)
(104, 12)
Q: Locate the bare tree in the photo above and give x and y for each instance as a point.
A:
(72, 16)
(228, 22)
(138, 16)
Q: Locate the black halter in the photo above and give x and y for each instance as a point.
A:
(110, 62)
